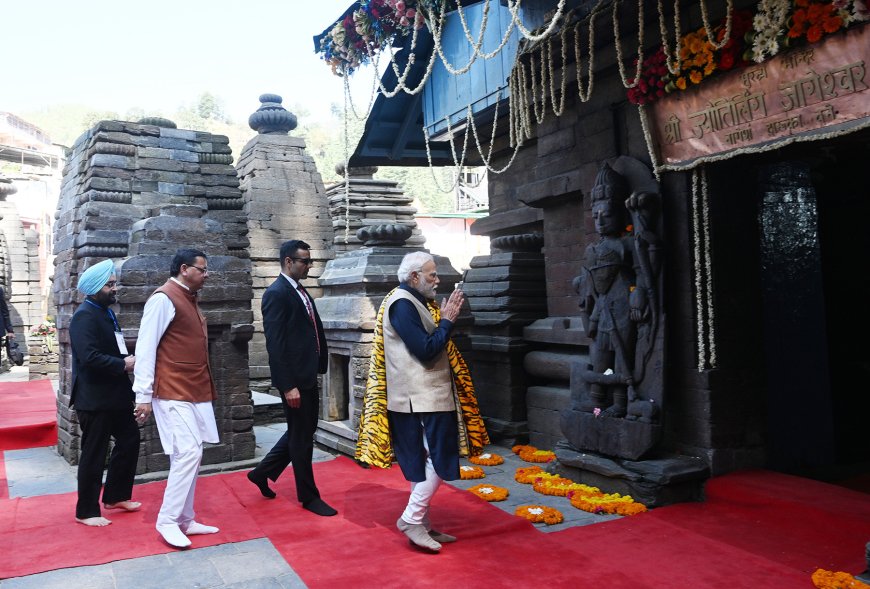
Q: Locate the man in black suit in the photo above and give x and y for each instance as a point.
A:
(297, 353)
(5, 320)
(102, 395)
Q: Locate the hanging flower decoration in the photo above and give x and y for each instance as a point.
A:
(540, 514)
(734, 53)
(813, 20)
(355, 39)
(486, 459)
(532, 454)
(651, 86)
(44, 329)
(471, 472)
(490, 492)
(697, 61)
(527, 475)
(823, 579)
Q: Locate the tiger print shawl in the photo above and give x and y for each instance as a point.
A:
(373, 442)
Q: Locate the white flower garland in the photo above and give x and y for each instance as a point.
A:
(618, 44)
(704, 309)
(673, 66)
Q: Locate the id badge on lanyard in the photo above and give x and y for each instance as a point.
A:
(122, 347)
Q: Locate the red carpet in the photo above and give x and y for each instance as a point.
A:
(4, 485)
(28, 415)
(757, 529)
(40, 533)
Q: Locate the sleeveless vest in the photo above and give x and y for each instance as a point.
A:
(182, 372)
(414, 386)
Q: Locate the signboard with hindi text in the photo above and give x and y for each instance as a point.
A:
(802, 94)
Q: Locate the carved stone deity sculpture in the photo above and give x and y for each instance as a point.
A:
(619, 299)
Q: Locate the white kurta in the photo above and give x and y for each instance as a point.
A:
(198, 417)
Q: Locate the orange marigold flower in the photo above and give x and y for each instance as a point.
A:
(486, 459)
(471, 472)
(490, 492)
(696, 77)
(527, 475)
(824, 579)
(540, 514)
(681, 83)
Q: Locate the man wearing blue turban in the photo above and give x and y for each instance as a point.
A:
(102, 395)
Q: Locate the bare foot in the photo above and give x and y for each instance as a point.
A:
(125, 505)
(94, 521)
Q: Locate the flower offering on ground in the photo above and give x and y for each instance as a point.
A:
(527, 474)
(490, 492)
(823, 579)
(486, 459)
(540, 514)
(532, 454)
(471, 472)
(610, 503)
(552, 484)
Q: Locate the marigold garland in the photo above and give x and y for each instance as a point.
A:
(486, 459)
(490, 492)
(540, 514)
(471, 472)
(611, 503)
(528, 474)
(551, 484)
(823, 579)
(532, 454)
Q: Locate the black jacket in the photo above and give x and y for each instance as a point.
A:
(5, 321)
(293, 358)
(99, 382)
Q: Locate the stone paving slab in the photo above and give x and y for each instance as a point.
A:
(254, 564)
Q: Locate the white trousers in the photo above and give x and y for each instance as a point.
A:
(184, 460)
(421, 493)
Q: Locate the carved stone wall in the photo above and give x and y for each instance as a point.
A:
(134, 193)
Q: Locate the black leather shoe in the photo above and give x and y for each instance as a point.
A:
(262, 484)
(320, 507)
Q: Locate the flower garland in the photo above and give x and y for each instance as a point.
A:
(823, 579)
(490, 492)
(486, 459)
(532, 454)
(540, 514)
(705, 310)
(527, 475)
(471, 472)
(612, 503)
(44, 329)
(557, 486)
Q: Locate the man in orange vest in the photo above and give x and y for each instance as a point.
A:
(173, 379)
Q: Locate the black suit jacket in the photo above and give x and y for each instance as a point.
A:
(290, 338)
(99, 382)
(5, 321)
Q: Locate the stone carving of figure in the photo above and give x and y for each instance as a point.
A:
(618, 298)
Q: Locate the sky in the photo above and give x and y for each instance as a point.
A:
(162, 54)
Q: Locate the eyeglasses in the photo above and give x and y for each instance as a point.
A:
(306, 261)
(203, 270)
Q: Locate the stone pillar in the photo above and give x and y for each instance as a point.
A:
(134, 193)
(284, 199)
(506, 292)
